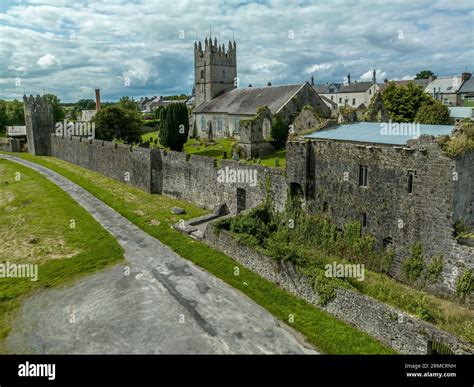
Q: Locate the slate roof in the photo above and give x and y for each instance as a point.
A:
(467, 86)
(353, 87)
(247, 101)
(370, 132)
(328, 102)
(420, 82)
(444, 85)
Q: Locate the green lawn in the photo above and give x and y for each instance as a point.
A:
(35, 228)
(152, 213)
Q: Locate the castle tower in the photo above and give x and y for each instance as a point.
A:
(39, 124)
(215, 69)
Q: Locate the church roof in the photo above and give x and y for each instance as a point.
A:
(247, 101)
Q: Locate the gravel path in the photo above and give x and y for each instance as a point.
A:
(165, 305)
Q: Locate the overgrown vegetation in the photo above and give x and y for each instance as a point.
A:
(460, 142)
(312, 241)
(464, 284)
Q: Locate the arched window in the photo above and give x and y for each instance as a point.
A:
(203, 123)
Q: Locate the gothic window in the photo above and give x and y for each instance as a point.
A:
(353, 101)
(340, 100)
(364, 219)
(370, 91)
(202, 74)
(219, 123)
(363, 175)
(203, 123)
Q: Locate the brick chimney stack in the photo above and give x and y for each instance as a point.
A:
(97, 99)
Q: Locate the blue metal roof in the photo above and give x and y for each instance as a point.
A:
(380, 132)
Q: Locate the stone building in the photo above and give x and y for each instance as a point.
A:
(401, 190)
(221, 107)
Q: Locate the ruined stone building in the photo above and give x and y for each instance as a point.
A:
(401, 190)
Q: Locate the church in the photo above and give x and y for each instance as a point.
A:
(224, 110)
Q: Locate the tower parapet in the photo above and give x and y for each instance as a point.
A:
(39, 124)
(215, 69)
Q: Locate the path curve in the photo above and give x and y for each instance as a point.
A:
(166, 305)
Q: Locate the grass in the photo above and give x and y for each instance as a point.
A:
(152, 213)
(35, 218)
(217, 148)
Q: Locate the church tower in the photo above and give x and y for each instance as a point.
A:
(215, 69)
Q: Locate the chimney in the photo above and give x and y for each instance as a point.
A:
(374, 77)
(269, 84)
(312, 80)
(465, 76)
(97, 99)
(349, 78)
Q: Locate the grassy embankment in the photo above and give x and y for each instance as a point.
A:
(152, 213)
(35, 228)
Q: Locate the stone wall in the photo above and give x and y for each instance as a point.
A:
(328, 173)
(129, 165)
(196, 179)
(192, 178)
(39, 124)
(392, 327)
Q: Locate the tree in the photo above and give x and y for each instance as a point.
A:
(279, 131)
(424, 74)
(3, 116)
(15, 113)
(128, 103)
(174, 126)
(433, 112)
(58, 111)
(115, 122)
(402, 102)
(86, 104)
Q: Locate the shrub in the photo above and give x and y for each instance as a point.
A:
(464, 284)
(116, 123)
(413, 265)
(434, 269)
(433, 112)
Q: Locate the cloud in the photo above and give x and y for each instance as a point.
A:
(72, 47)
(47, 61)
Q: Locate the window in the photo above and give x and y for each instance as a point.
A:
(223, 74)
(370, 91)
(202, 74)
(411, 175)
(237, 125)
(203, 123)
(332, 98)
(219, 123)
(363, 175)
(340, 100)
(364, 219)
(353, 101)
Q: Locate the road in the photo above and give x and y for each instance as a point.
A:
(157, 302)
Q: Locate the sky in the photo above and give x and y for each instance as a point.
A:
(145, 47)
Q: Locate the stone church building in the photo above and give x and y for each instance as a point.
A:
(223, 110)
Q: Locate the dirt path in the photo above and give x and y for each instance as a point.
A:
(164, 305)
